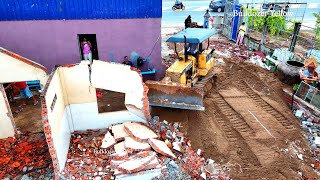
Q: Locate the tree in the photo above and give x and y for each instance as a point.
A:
(317, 28)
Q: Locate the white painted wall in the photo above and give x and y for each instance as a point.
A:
(85, 116)
(58, 119)
(6, 125)
(82, 100)
(13, 70)
(119, 78)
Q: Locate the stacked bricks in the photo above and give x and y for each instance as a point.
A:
(47, 129)
(145, 99)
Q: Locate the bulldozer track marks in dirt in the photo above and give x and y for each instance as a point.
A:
(235, 118)
(243, 85)
(232, 124)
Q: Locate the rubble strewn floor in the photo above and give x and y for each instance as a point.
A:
(247, 126)
(169, 154)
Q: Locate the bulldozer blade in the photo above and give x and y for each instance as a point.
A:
(174, 95)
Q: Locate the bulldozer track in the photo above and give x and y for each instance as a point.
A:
(266, 106)
(224, 116)
(206, 83)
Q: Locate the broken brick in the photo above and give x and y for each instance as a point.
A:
(161, 147)
(139, 132)
(132, 145)
(108, 140)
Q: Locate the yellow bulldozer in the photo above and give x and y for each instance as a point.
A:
(190, 77)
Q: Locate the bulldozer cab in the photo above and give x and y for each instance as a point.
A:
(177, 89)
(200, 58)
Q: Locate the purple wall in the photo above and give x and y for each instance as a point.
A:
(56, 41)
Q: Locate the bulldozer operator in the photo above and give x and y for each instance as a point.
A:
(193, 50)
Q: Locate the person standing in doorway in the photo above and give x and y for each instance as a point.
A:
(206, 17)
(187, 22)
(86, 49)
(25, 92)
(241, 32)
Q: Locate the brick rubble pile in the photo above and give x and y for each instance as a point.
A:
(311, 124)
(27, 154)
(154, 151)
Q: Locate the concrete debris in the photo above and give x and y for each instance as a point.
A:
(298, 113)
(108, 140)
(25, 177)
(199, 152)
(120, 149)
(138, 154)
(135, 165)
(148, 174)
(220, 60)
(168, 143)
(119, 132)
(227, 50)
(139, 132)
(203, 175)
(132, 145)
(257, 60)
(317, 141)
(310, 122)
(177, 146)
(161, 147)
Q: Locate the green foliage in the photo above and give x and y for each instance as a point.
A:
(275, 23)
(317, 28)
(291, 28)
(295, 87)
(254, 20)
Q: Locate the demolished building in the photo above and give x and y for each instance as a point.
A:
(69, 103)
(125, 144)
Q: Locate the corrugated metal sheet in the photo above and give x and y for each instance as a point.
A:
(79, 9)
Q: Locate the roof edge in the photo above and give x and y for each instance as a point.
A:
(23, 59)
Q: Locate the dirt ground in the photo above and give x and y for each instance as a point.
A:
(246, 126)
(28, 119)
(110, 101)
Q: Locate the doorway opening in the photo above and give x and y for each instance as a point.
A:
(25, 105)
(93, 41)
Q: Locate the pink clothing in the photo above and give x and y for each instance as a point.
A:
(239, 39)
(86, 47)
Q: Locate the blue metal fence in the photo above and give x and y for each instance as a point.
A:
(11, 10)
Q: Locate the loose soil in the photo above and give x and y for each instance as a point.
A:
(246, 125)
(28, 119)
